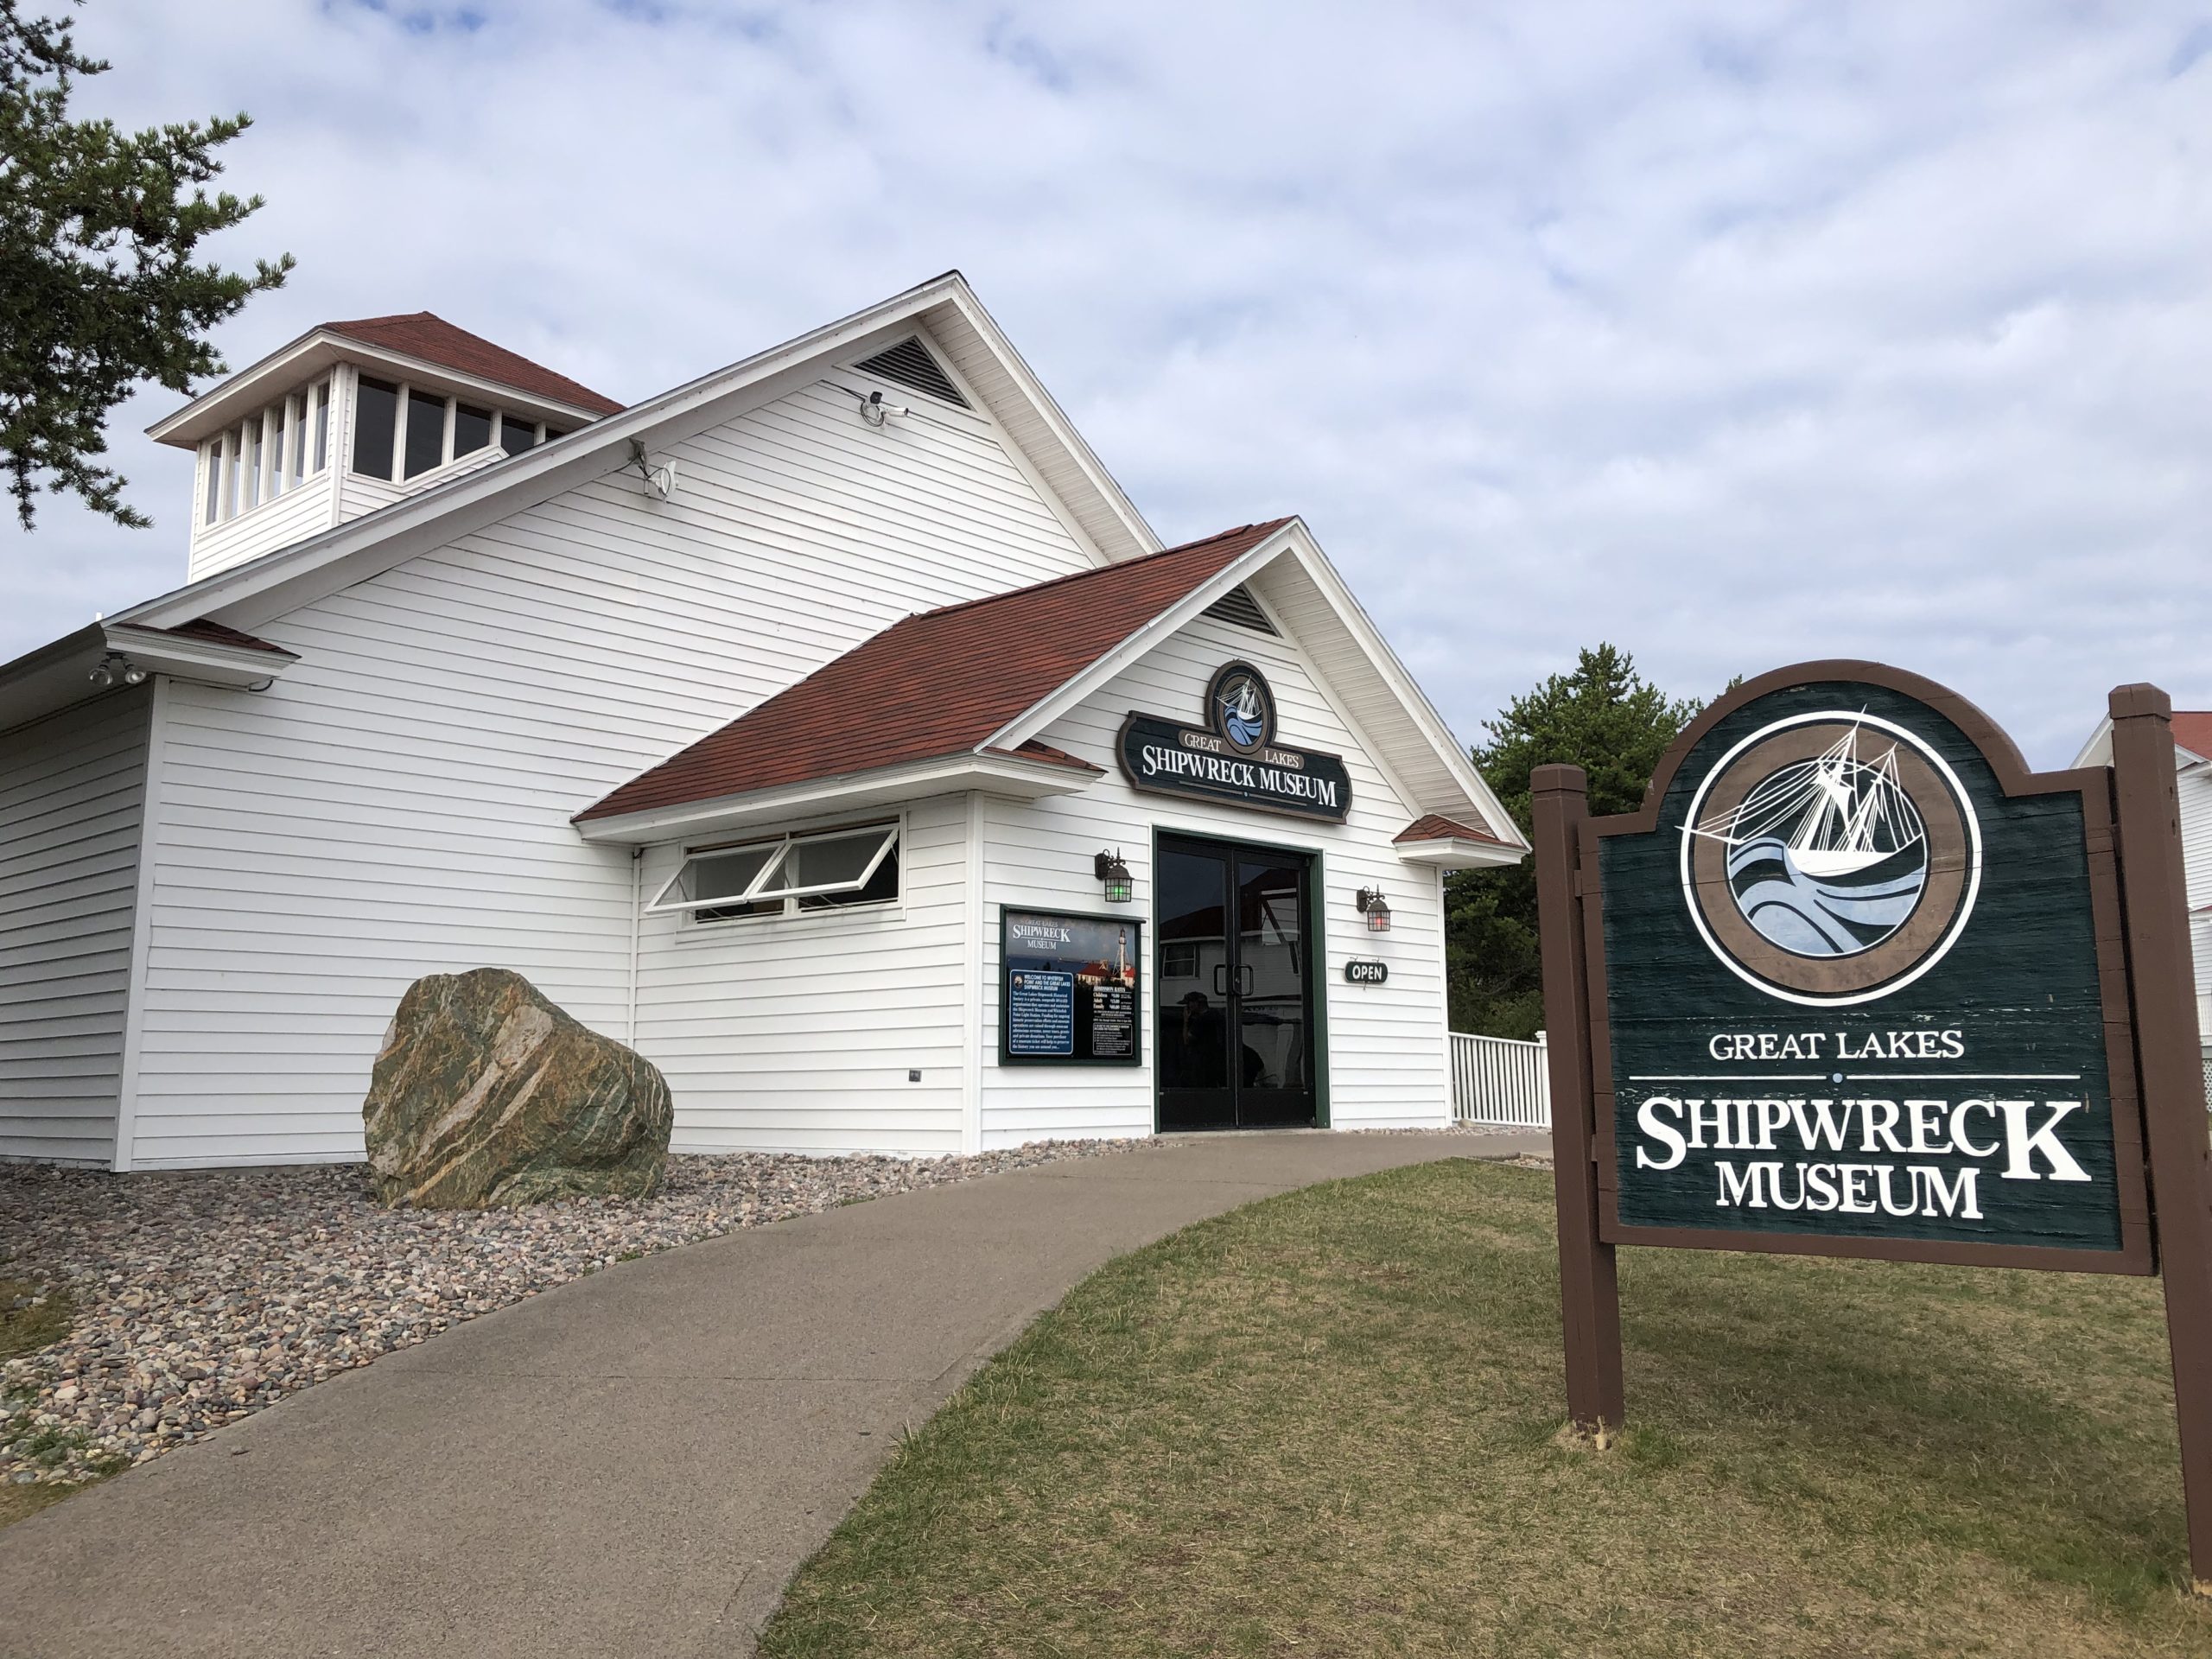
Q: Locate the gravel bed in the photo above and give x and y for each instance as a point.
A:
(199, 1298)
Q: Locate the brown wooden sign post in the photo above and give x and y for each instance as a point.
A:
(1854, 982)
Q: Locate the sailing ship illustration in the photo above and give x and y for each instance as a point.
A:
(1826, 856)
(1240, 710)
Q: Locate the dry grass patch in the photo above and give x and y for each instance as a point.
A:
(1328, 1424)
(42, 1319)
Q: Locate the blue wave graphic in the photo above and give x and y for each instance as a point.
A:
(1242, 731)
(1824, 916)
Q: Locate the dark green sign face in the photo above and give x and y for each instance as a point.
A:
(1851, 989)
(1233, 757)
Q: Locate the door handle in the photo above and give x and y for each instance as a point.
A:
(1221, 979)
(1247, 977)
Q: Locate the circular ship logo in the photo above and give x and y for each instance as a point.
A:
(1831, 858)
(1241, 708)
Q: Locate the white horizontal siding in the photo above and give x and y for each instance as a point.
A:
(399, 802)
(72, 807)
(295, 515)
(358, 494)
(797, 1034)
(1387, 1059)
(978, 364)
(2194, 786)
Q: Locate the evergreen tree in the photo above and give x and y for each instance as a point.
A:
(1616, 725)
(98, 286)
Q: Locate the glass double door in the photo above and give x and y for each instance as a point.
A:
(1235, 987)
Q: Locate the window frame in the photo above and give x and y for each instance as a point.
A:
(319, 394)
(788, 901)
(266, 455)
(251, 461)
(210, 495)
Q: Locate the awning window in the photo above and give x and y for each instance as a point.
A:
(821, 865)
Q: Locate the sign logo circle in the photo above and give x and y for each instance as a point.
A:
(1241, 707)
(1830, 858)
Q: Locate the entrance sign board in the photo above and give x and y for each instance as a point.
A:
(1233, 757)
(1854, 982)
(1851, 989)
(1068, 989)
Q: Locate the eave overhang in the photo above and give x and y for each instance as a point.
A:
(159, 650)
(317, 351)
(1014, 777)
(1458, 853)
(60, 675)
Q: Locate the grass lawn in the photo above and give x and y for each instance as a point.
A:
(24, 1330)
(1330, 1424)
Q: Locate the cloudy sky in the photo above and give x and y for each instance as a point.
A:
(1733, 333)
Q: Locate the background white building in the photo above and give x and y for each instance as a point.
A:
(2192, 731)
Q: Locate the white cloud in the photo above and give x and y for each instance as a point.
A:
(1734, 334)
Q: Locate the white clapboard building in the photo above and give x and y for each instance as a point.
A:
(2192, 730)
(832, 729)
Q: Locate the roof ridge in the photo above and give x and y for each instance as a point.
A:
(1266, 526)
(397, 316)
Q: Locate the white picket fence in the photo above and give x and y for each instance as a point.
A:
(1497, 1080)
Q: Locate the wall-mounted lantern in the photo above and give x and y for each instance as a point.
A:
(1373, 907)
(1113, 876)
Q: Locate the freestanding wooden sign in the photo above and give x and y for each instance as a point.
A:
(1856, 982)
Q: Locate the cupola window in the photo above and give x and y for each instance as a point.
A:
(272, 451)
(426, 432)
(376, 409)
(401, 431)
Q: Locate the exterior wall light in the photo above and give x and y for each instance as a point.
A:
(1373, 907)
(1114, 875)
(116, 666)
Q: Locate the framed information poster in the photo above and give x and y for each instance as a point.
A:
(1068, 989)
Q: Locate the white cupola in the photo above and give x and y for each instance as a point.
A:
(351, 417)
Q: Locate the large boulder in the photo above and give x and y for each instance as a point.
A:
(485, 1093)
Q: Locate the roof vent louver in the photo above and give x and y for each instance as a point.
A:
(1238, 605)
(909, 364)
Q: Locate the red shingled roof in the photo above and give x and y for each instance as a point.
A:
(1433, 828)
(420, 333)
(218, 634)
(935, 685)
(2193, 731)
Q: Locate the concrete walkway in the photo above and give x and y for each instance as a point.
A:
(634, 1463)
